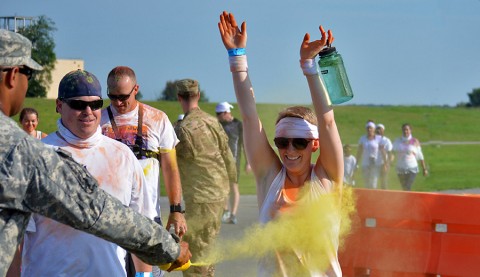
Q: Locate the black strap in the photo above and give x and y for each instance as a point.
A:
(112, 121)
(138, 138)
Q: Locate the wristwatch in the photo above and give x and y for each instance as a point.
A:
(177, 208)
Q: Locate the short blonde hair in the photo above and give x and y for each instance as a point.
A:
(298, 112)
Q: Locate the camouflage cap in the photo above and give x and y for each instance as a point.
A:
(79, 83)
(16, 50)
(187, 87)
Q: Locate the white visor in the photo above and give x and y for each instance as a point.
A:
(293, 127)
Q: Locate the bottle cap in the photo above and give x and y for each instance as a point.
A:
(327, 51)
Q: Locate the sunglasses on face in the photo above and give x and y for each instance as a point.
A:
(81, 105)
(298, 143)
(120, 97)
(24, 70)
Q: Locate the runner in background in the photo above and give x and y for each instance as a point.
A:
(234, 129)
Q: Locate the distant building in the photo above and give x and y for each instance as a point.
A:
(62, 67)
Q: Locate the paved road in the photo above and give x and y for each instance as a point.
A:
(247, 215)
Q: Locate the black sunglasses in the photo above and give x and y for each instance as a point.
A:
(24, 70)
(298, 143)
(120, 97)
(81, 105)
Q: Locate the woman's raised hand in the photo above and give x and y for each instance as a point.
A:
(308, 49)
(232, 36)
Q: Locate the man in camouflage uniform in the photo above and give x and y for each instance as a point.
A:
(206, 168)
(38, 179)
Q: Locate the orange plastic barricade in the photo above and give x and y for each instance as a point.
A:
(397, 233)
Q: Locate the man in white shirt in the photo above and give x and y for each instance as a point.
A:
(55, 249)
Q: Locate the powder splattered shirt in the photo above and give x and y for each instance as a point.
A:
(158, 135)
(52, 248)
(205, 161)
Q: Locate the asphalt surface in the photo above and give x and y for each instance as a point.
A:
(247, 215)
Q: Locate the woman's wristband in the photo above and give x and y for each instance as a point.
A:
(309, 67)
(236, 52)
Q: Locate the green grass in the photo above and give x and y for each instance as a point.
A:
(450, 166)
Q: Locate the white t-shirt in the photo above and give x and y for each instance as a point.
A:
(386, 143)
(158, 135)
(349, 165)
(408, 152)
(55, 249)
(370, 149)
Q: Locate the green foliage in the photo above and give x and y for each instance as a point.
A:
(474, 97)
(169, 93)
(40, 34)
(450, 166)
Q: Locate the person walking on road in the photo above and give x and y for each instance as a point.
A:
(207, 167)
(234, 129)
(408, 152)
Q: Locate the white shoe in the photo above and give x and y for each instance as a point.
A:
(226, 217)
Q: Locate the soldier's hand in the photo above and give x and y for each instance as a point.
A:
(183, 258)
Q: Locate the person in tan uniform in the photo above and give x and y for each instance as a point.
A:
(207, 167)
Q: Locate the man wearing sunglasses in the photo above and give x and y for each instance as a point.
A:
(38, 179)
(150, 135)
(111, 163)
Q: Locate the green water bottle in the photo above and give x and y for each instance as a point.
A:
(334, 75)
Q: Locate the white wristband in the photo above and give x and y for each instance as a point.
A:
(238, 63)
(309, 67)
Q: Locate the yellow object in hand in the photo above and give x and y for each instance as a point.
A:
(184, 267)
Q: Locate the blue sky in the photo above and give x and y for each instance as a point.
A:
(405, 52)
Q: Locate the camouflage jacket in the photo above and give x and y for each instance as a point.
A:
(204, 158)
(35, 178)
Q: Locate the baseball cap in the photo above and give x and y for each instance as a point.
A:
(223, 107)
(16, 50)
(79, 83)
(380, 125)
(187, 87)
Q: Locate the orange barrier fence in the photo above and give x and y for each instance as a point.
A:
(398, 233)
